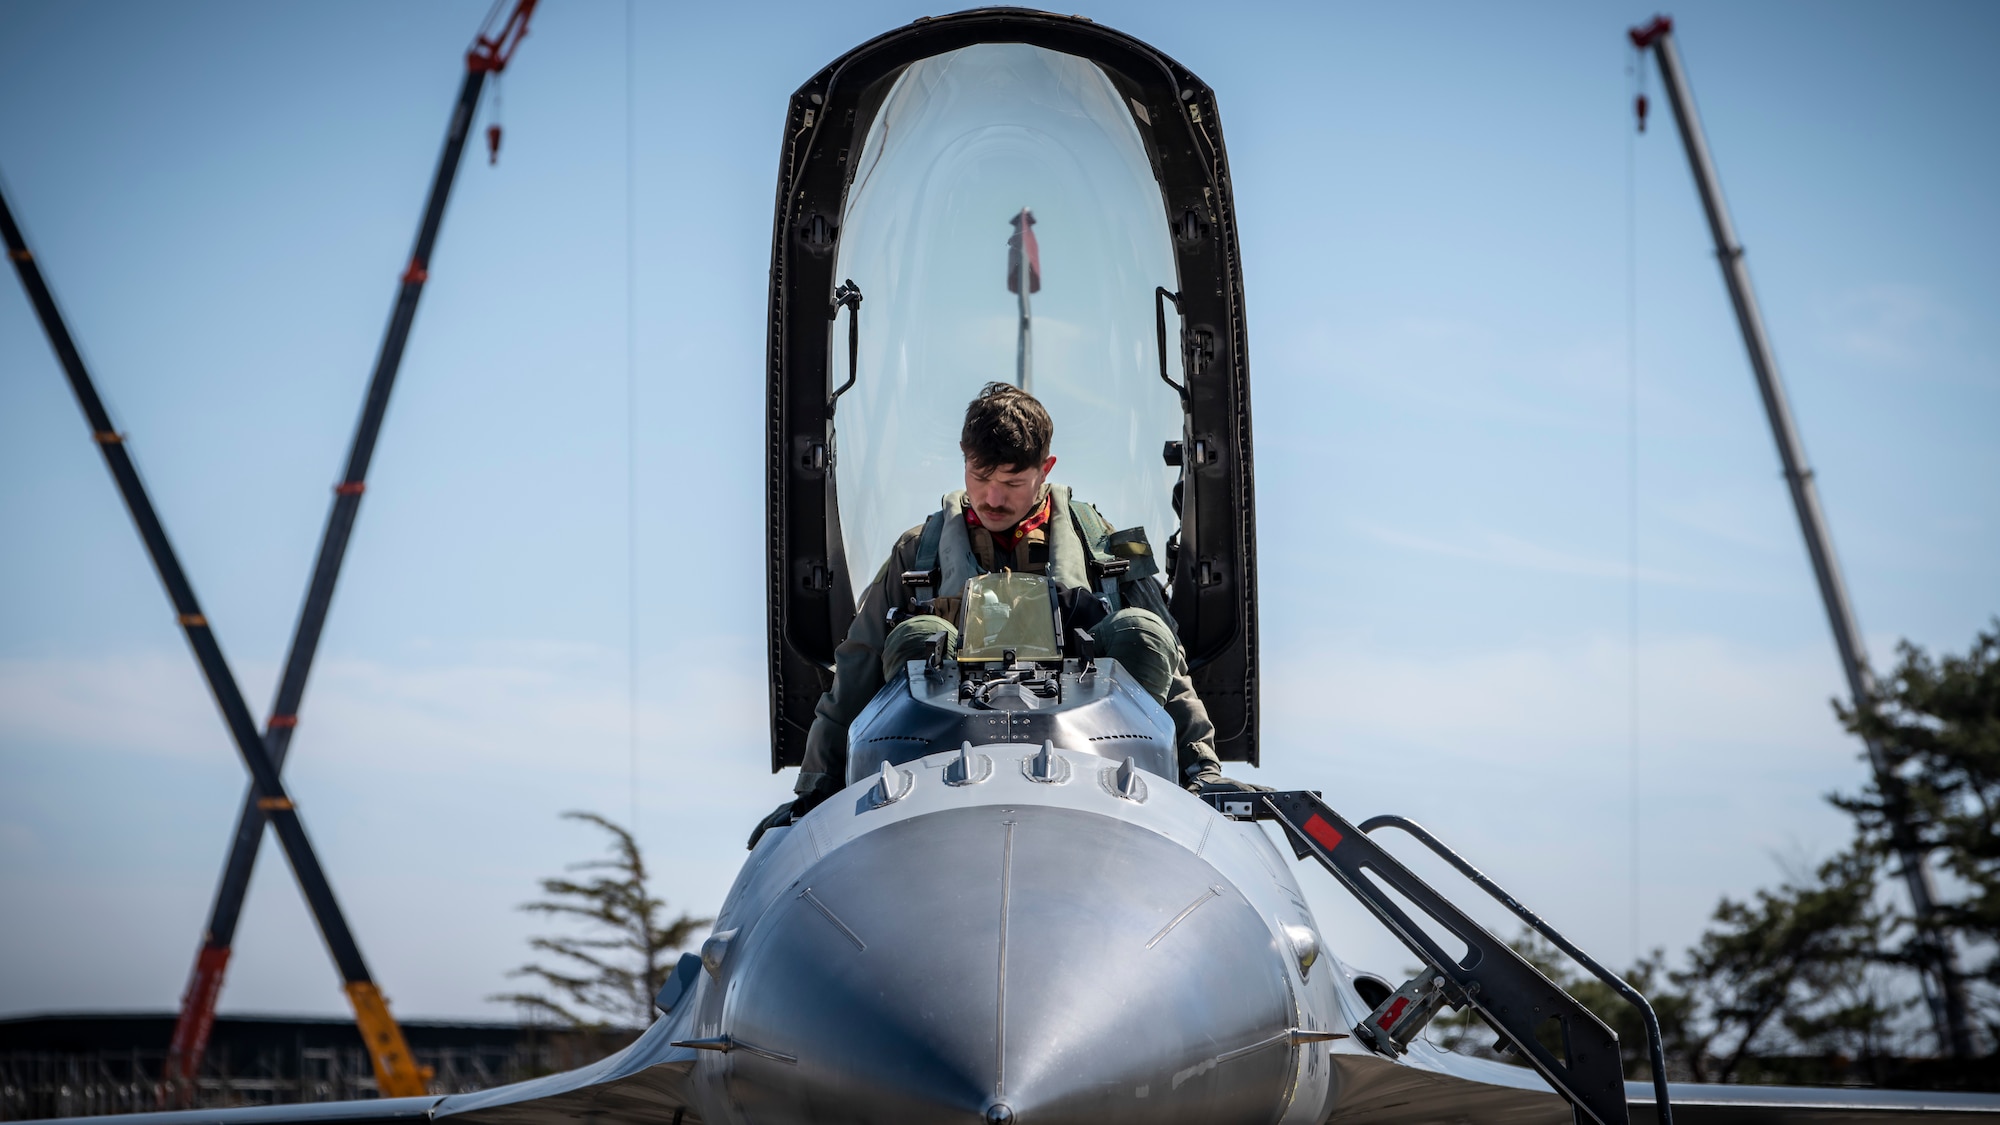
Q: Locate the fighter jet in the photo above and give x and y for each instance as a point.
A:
(1014, 911)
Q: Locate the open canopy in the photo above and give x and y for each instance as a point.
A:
(1009, 191)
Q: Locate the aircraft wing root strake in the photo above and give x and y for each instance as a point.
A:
(1509, 993)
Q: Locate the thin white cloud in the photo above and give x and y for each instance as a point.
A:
(505, 703)
(1517, 754)
(1890, 325)
(434, 788)
(148, 702)
(1522, 757)
(1501, 549)
(1729, 516)
(1551, 698)
(1462, 367)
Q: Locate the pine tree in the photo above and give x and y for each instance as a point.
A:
(1816, 980)
(1938, 721)
(607, 975)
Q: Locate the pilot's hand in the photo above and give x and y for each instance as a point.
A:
(1220, 784)
(779, 818)
(789, 813)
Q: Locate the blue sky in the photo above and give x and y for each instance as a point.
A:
(1434, 212)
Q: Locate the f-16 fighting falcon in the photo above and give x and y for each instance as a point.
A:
(1012, 886)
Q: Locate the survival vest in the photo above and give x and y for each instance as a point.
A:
(1082, 551)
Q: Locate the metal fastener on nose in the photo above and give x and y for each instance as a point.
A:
(968, 768)
(1045, 766)
(892, 785)
(999, 1113)
(1124, 781)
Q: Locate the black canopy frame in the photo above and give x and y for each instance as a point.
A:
(811, 596)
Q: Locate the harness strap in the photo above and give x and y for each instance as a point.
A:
(1106, 559)
(927, 559)
(1090, 524)
(1095, 533)
(927, 543)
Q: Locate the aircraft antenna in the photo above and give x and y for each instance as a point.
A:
(1944, 986)
(1024, 276)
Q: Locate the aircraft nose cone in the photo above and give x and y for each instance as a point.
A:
(1033, 966)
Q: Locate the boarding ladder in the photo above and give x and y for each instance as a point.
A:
(1512, 995)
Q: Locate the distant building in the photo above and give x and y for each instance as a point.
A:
(70, 1065)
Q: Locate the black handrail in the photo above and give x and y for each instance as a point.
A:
(848, 296)
(1161, 295)
(1654, 1043)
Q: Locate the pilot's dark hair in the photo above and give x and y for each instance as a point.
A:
(1006, 428)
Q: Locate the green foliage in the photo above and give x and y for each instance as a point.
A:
(1465, 1032)
(1827, 966)
(1938, 723)
(608, 975)
(1797, 968)
(1817, 981)
(1647, 976)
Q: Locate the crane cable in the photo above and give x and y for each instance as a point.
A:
(493, 115)
(493, 125)
(631, 442)
(1638, 72)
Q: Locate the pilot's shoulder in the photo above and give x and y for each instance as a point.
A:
(1078, 505)
(1089, 520)
(902, 556)
(906, 547)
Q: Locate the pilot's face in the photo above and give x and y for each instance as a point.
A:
(1003, 496)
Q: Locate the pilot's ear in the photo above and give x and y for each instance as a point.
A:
(1048, 465)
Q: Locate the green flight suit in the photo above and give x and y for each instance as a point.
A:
(1139, 635)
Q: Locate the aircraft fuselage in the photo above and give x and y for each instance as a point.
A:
(967, 940)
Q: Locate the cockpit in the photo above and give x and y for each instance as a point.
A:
(1021, 198)
(1019, 673)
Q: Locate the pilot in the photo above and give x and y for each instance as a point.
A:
(1009, 517)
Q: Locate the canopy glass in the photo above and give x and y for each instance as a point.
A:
(961, 145)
